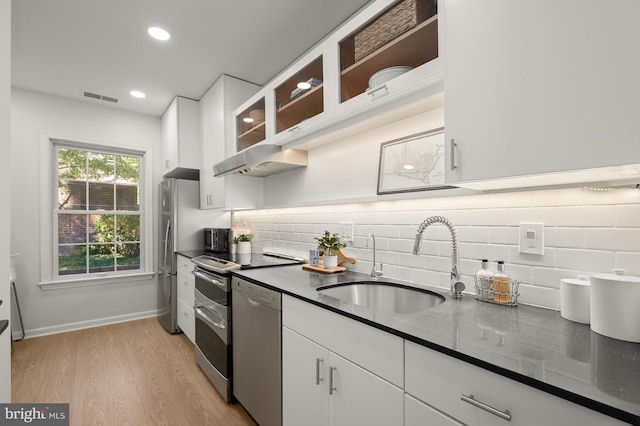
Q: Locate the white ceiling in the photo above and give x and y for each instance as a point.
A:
(67, 47)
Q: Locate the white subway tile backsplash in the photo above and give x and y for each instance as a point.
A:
(493, 252)
(473, 234)
(548, 259)
(489, 217)
(539, 296)
(504, 235)
(587, 216)
(585, 260)
(585, 232)
(564, 237)
(550, 277)
(628, 216)
(614, 239)
(630, 262)
(546, 215)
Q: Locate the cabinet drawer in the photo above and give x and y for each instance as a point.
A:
(186, 320)
(186, 286)
(377, 351)
(417, 413)
(441, 380)
(184, 264)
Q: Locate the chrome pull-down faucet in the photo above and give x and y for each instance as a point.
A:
(375, 273)
(457, 286)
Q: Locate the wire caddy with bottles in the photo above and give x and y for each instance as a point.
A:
(497, 291)
(496, 288)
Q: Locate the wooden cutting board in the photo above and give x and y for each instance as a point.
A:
(323, 270)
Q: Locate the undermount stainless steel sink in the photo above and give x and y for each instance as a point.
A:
(383, 296)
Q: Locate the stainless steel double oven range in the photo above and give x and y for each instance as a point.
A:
(213, 351)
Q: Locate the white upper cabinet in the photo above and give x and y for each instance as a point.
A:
(180, 136)
(338, 70)
(540, 88)
(216, 133)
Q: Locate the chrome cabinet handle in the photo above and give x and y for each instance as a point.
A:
(452, 164)
(318, 378)
(331, 387)
(377, 89)
(502, 414)
(294, 129)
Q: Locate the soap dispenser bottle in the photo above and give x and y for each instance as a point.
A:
(501, 286)
(484, 280)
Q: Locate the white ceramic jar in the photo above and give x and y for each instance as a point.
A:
(615, 302)
(575, 300)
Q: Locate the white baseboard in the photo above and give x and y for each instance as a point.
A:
(63, 328)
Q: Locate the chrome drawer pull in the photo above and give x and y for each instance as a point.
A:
(318, 378)
(331, 387)
(502, 414)
(453, 164)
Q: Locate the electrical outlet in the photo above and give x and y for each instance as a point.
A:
(532, 238)
(346, 231)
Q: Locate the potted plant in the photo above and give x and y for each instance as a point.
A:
(244, 243)
(330, 244)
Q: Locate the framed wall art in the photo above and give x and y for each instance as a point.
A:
(413, 163)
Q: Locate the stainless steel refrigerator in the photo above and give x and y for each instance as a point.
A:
(181, 225)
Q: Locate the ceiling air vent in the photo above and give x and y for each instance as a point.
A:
(100, 97)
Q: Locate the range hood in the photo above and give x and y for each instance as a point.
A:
(261, 160)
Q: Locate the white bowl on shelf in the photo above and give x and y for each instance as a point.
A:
(257, 115)
(386, 74)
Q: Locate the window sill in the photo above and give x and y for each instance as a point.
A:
(94, 281)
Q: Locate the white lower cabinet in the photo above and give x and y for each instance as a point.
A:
(320, 386)
(445, 383)
(186, 283)
(417, 413)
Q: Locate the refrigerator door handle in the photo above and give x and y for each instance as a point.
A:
(166, 245)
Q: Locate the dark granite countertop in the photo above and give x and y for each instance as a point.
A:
(192, 253)
(3, 326)
(534, 346)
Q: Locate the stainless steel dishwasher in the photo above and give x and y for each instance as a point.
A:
(257, 362)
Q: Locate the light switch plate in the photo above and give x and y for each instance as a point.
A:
(532, 238)
(346, 231)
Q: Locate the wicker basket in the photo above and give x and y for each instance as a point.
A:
(394, 22)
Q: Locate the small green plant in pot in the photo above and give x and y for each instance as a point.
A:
(330, 244)
(242, 238)
(244, 243)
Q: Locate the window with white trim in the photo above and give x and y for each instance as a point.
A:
(98, 212)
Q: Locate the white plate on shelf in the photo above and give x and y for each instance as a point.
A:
(386, 74)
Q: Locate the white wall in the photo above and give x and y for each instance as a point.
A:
(5, 134)
(63, 309)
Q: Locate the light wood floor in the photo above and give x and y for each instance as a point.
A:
(133, 373)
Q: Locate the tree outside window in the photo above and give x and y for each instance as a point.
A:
(98, 211)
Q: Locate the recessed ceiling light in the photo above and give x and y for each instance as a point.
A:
(408, 167)
(137, 94)
(303, 85)
(248, 120)
(159, 33)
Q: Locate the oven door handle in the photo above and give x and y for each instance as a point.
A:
(218, 327)
(209, 279)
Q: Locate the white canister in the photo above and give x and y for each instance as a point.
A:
(615, 302)
(574, 299)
